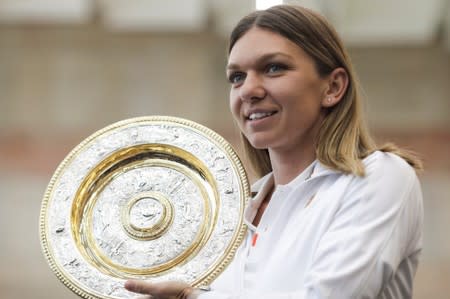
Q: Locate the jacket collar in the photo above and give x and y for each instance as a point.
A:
(313, 171)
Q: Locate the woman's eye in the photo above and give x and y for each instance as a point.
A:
(236, 78)
(275, 67)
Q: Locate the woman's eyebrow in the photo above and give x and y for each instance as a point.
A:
(261, 59)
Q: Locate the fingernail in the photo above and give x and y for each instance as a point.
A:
(129, 284)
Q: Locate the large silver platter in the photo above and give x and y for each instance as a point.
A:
(152, 198)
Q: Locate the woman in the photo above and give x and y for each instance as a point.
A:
(334, 216)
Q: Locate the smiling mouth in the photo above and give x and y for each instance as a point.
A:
(260, 115)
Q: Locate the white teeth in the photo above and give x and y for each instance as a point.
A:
(259, 115)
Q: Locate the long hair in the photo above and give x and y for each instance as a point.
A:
(343, 139)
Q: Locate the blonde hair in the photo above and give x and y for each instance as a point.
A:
(343, 139)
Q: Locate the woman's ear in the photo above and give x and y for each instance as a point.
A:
(337, 86)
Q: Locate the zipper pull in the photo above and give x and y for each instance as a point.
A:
(254, 239)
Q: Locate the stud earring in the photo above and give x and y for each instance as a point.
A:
(329, 100)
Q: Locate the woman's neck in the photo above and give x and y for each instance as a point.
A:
(287, 165)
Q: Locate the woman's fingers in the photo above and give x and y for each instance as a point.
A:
(139, 286)
(160, 290)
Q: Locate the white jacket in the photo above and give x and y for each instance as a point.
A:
(331, 235)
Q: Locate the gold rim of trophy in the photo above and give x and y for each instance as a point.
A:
(104, 172)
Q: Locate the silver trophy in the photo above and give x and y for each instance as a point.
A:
(152, 198)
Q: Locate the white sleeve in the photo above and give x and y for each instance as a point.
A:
(377, 229)
(378, 226)
(252, 295)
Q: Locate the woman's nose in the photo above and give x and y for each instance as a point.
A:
(252, 88)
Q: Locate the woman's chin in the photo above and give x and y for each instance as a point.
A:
(258, 144)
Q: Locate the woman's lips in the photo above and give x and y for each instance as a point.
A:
(259, 115)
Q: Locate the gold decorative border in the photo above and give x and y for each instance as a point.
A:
(83, 205)
(215, 137)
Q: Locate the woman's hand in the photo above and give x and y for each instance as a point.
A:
(161, 290)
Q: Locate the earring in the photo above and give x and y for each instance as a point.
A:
(329, 100)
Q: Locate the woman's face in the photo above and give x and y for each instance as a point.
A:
(276, 93)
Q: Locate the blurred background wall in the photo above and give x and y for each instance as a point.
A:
(69, 68)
